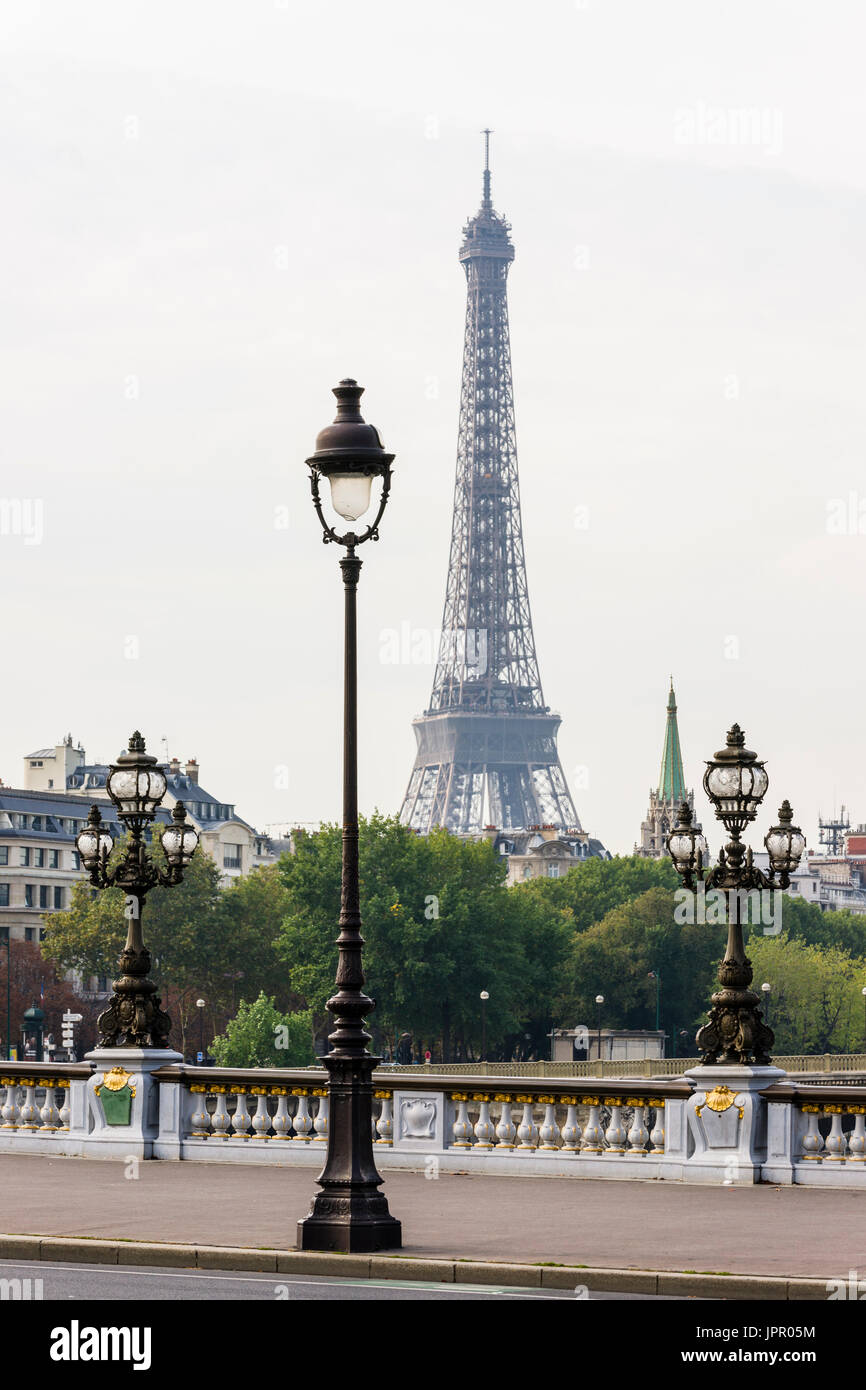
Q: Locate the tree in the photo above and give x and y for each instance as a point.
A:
(439, 926)
(815, 1001)
(591, 889)
(34, 981)
(615, 956)
(261, 1036)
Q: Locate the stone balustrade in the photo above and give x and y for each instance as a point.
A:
(816, 1134)
(692, 1128)
(37, 1102)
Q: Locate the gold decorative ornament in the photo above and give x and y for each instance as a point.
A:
(719, 1099)
(115, 1080)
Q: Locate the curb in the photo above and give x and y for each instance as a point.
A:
(672, 1283)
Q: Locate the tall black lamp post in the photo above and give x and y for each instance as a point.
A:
(599, 1000)
(736, 783)
(484, 996)
(350, 1213)
(136, 785)
(765, 990)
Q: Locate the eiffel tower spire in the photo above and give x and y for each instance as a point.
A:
(487, 743)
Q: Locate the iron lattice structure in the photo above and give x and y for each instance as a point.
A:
(487, 744)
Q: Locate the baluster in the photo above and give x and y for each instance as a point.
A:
(385, 1122)
(812, 1140)
(461, 1130)
(10, 1105)
(220, 1118)
(638, 1133)
(262, 1117)
(48, 1113)
(320, 1125)
(857, 1138)
(241, 1116)
(549, 1132)
(506, 1130)
(282, 1121)
(592, 1129)
(65, 1110)
(484, 1131)
(615, 1132)
(527, 1130)
(836, 1145)
(200, 1119)
(303, 1121)
(657, 1136)
(571, 1128)
(28, 1114)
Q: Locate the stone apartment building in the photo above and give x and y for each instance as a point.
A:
(40, 820)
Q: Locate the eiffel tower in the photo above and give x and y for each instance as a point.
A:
(487, 743)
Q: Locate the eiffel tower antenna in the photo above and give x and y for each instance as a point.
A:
(487, 742)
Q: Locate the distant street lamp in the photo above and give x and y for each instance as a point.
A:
(350, 1214)
(765, 990)
(736, 783)
(657, 976)
(200, 1003)
(134, 1017)
(484, 996)
(599, 1000)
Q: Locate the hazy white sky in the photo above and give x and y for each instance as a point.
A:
(214, 211)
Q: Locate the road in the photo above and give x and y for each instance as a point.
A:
(86, 1283)
(791, 1231)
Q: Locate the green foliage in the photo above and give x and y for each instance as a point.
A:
(588, 892)
(261, 1036)
(614, 957)
(439, 927)
(815, 1000)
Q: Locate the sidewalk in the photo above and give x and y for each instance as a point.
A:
(785, 1232)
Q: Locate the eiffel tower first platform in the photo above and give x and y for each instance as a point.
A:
(487, 744)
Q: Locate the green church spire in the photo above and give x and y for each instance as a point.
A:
(672, 785)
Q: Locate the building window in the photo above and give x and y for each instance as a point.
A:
(29, 895)
(43, 895)
(76, 859)
(54, 858)
(39, 861)
(553, 871)
(232, 856)
(58, 896)
(4, 894)
(25, 858)
(29, 933)
(4, 854)
(527, 871)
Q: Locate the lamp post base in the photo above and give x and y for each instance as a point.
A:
(358, 1224)
(350, 1214)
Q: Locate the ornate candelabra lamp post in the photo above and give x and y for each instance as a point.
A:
(134, 1017)
(736, 783)
(350, 1213)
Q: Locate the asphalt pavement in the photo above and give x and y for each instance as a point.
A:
(761, 1230)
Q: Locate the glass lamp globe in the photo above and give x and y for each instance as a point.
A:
(785, 842)
(179, 840)
(94, 842)
(686, 842)
(350, 494)
(735, 781)
(135, 784)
